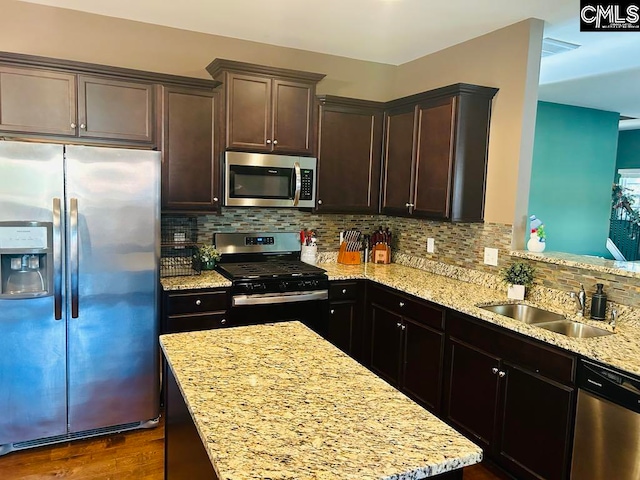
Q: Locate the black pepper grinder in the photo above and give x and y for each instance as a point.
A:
(598, 303)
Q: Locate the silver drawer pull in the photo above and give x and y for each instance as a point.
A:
(494, 370)
(501, 374)
(198, 302)
(332, 311)
(398, 325)
(401, 304)
(223, 321)
(344, 290)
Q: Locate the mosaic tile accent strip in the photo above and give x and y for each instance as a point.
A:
(459, 248)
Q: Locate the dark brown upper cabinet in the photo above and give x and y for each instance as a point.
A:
(266, 109)
(46, 102)
(190, 163)
(436, 153)
(349, 155)
(116, 109)
(37, 101)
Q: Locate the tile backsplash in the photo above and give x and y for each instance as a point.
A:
(459, 245)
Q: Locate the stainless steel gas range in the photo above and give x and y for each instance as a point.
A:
(269, 282)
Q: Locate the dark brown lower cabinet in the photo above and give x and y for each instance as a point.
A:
(189, 310)
(513, 396)
(345, 321)
(407, 344)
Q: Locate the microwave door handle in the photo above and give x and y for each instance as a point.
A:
(296, 195)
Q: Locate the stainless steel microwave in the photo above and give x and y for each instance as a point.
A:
(263, 180)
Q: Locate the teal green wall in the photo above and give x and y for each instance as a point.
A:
(574, 159)
(628, 149)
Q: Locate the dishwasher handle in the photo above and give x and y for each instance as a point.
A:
(610, 384)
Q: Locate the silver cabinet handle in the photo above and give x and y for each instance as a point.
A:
(403, 327)
(57, 259)
(275, 142)
(223, 321)
(319, 202)
(398, 325)
(268, 142)
(75, 255)
(215, 199)
(83, 126)
(401, 304)
(344, 290)
(501, 374)
(198, 302)
(73, 125)
(332, 311)
(494, 370)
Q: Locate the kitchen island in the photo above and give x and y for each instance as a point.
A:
(278, 402)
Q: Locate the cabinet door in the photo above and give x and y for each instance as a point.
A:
(341, 320)
(398, 164)
(349, 151)
(434, 158)
(292, 117)
(472, 396)
(248, 112)
(190, 177)
(423, 354)
(386, 334)
(115, 109)
(37, 101)
(536, 425)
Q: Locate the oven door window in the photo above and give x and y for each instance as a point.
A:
(261, 182)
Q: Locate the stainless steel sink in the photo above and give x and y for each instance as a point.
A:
(574, 329)
(524, 313)
(553, 322)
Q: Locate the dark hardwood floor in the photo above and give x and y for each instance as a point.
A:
(135, 455)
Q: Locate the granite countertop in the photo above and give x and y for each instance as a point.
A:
(621, 350)
(207, 279)
(277, 401)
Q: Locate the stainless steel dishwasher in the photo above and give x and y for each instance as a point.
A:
(606, 443)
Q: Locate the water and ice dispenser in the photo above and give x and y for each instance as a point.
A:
(26, 259)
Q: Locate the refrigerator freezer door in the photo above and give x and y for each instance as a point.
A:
(32, 342)
(113, 198)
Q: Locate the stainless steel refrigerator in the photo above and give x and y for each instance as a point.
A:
(79, 248)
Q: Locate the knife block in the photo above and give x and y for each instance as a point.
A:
(381, 253)
(348, 258)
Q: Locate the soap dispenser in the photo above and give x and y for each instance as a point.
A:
(598, 303)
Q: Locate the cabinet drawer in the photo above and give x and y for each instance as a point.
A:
(197, 302)
(534, 356)
(189, 323)
(343, 290)
(407, 306)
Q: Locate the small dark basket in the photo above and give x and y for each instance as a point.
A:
(178, 250)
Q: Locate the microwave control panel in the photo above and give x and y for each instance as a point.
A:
(306, 190)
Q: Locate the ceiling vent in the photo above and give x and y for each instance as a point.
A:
(551, 46)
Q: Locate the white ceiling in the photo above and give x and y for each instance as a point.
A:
(603, 73)
(386, 31)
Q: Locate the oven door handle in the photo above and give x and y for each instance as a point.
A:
(296, 194)
(269, 298)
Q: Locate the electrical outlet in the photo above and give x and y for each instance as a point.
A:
(431, 245)
(491, 256)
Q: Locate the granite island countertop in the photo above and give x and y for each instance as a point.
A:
(621, 350)
(277, 401)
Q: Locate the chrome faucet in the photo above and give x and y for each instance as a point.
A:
(580, 299)
(614, 319)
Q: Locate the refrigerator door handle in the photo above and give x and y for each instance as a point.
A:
(74, 255)
(57, 259)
